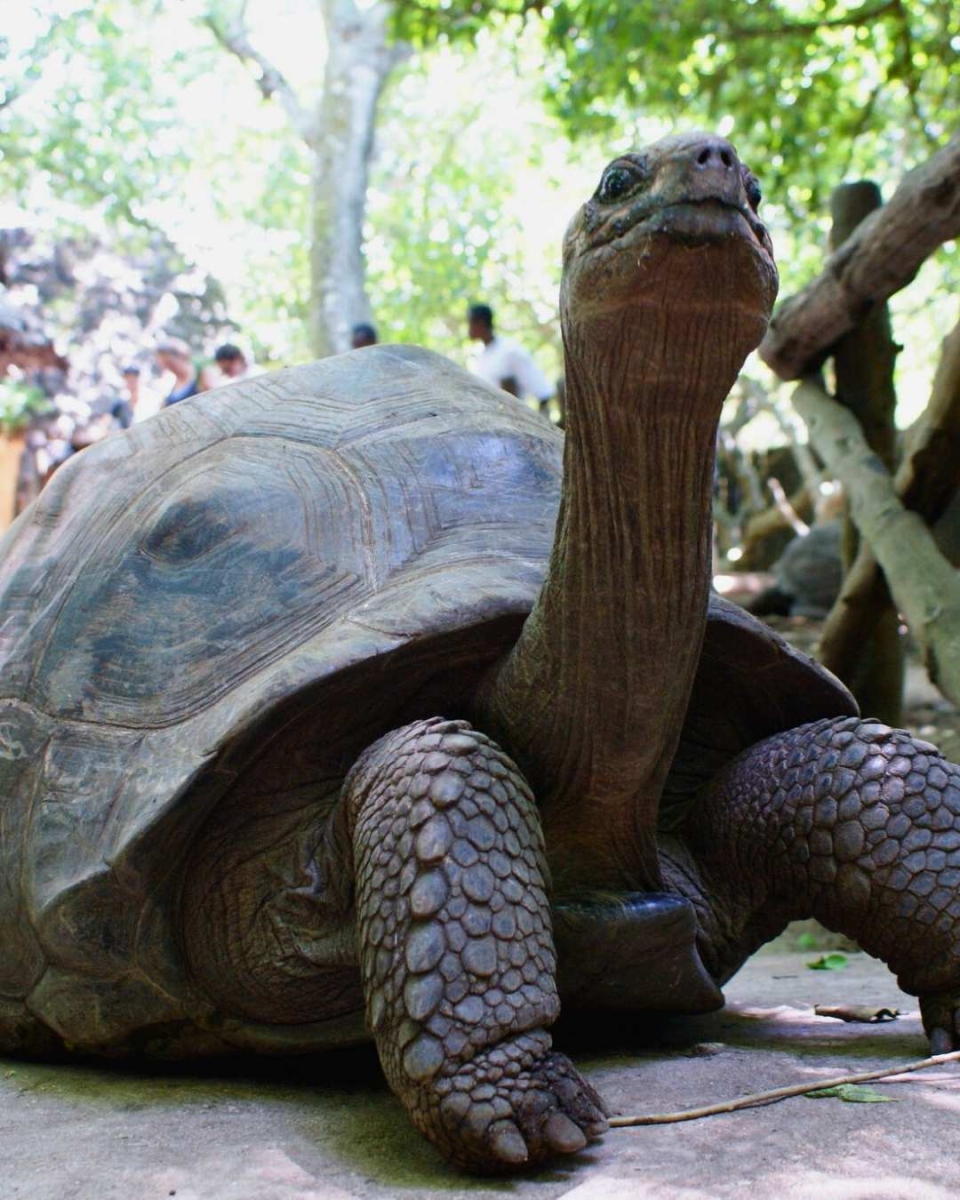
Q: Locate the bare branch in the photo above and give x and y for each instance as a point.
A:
(926, 482)
(881, 256)
(787, 511)
(923, 583)
(784, 1093)
(866, 15)
(271, 81)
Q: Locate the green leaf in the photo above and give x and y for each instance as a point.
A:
(18, 403)
(852, 1094)
(828, 962)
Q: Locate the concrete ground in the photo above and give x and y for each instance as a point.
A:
(328, 1128)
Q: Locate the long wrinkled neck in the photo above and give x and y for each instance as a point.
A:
(591, 700)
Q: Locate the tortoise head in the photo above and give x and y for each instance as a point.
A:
(671, 230)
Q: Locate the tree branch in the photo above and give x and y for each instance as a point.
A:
(784, 1093)
(882, 255)
(926, 482)
(271, 81)
(861, 16)
(924, 585)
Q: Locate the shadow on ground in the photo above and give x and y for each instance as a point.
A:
(326, 1126)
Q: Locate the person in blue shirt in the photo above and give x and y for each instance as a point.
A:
(173, 355)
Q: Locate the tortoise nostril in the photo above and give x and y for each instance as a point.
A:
(716, 154)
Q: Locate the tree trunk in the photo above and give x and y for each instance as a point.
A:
(883, 255)
(339, 132)
(926, 482)
(359, 60)
(926, 588)
(864, 358)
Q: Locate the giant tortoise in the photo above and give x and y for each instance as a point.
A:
(335, 701)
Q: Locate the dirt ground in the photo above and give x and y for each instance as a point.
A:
(328, 1127)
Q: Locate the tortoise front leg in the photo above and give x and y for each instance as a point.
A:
(847, 821)
(456, 951)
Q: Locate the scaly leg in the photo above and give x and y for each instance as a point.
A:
(847, 821)
(456, 951)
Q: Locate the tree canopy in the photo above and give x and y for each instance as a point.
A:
(811, 89)
(125, 118)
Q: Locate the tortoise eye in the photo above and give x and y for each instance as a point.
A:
(616, 182)
(754, 194)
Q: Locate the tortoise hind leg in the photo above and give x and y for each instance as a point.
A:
(850, 822)
(456, 952)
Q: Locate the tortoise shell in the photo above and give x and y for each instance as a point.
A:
(218, 610)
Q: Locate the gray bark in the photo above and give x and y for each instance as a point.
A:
(339, 130)
(359, 61)
(925, 587)
(863, 361)
(926, 482)
(882, 255)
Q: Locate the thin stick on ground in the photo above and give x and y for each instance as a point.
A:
(784, 1093)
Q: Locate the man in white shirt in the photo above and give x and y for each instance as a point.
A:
(233, 365)
(504, 363)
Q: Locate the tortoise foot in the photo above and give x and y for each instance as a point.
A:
(456, 951)
(515, 1105)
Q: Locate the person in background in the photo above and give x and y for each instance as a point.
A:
(124, 410)
(504, 363)
(363, 335)
(232, 366)
(173, 355)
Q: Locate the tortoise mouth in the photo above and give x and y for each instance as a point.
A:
(698, 220)
(689, 220)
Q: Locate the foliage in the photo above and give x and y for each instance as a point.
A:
(810, 89)
(828, 962)
(449, 215)
(19, 401)
(122, 117)
(107, 132)
(92, 114)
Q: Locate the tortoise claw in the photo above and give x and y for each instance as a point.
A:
(507, 1145)
(941, 1021)
(562, 1135)
(941, 1041)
